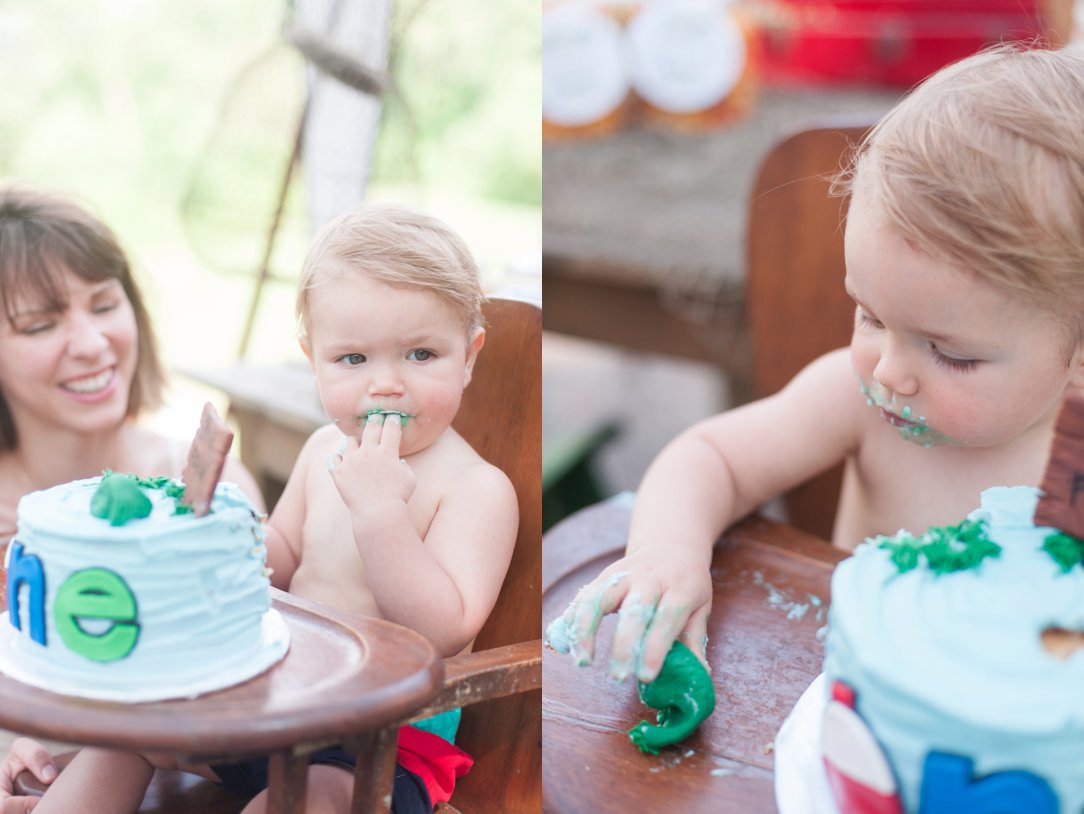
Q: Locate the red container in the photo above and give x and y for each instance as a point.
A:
(893, 42)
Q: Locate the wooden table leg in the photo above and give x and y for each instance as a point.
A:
(287, 783)
(374, 775)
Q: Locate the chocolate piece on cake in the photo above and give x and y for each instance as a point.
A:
(206, 458)
(1061, 504)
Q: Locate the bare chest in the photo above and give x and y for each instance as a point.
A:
(893, 484)
(331, 570)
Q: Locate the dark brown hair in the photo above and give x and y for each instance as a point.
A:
(42, 236)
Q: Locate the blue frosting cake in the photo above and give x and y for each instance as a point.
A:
(942, 642)
(161, 605)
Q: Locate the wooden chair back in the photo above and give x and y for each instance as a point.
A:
(798, 309)
(501, 417)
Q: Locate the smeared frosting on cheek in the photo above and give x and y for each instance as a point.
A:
(911, 427)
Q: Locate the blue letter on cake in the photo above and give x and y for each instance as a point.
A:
(27, 570)
(947, 788)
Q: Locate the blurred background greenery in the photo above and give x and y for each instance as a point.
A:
(175, 121)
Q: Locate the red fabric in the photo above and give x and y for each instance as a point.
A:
(853, 797)
(438, 763)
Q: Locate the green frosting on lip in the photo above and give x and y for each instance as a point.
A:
(403, 417)
(684, 696)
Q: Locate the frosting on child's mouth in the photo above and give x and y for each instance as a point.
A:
(911, 427)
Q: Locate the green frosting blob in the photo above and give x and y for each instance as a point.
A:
(946, 549)
(119, 498)
(1065, 549)
(100, 594)
(684, 696)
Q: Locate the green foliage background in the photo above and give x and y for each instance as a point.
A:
(174, 122)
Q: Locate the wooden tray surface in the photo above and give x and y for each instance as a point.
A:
(342, 674)
(771, 586)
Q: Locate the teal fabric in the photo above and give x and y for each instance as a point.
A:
(443, 724)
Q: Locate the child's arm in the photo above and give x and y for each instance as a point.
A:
(235, 472)
(283, 529)
(707, 478)
(443, 584)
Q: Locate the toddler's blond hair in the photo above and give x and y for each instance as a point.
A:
(399, 246)
(982, 166)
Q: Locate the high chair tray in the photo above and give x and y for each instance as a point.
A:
(343, 674)
(765, 646)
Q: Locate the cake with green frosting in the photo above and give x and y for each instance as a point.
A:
(956, 650)
(117, 591)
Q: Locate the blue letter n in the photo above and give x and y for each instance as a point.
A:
(27, 570)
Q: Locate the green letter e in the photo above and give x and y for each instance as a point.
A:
(97, 593)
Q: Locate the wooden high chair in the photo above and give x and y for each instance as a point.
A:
(501, 417)
(798, 309)
(499, 684)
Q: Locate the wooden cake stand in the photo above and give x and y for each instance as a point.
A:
(763, 647)
(346, 679)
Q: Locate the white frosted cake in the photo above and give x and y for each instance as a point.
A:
(105, 605)
(956, 652)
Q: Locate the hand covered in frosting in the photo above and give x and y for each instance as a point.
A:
(659, 594)
(368, 469)
(24, 754)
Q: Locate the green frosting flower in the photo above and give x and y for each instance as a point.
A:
(119, 498)
(1065, 549)
(946, 549)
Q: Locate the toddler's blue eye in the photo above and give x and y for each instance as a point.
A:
(420, 355)
(353, 358)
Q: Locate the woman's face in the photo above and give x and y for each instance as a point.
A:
(70, 369)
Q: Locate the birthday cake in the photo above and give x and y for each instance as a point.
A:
(117, 591)
(952, 663)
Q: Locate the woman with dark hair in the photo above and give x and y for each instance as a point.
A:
(78, 364)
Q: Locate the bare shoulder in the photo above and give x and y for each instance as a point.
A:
(12, 487)
(482, 477)
(827, 377)
(322, 437)
(152, 454)
(475, 510)
(466, 485)
(771, 445)
(322, 441)
(826, 393)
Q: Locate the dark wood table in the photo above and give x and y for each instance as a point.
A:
(345, 679)
(771, 586)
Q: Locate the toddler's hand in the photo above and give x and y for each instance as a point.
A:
(24, 754)
(370, 469)
(658, 594)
